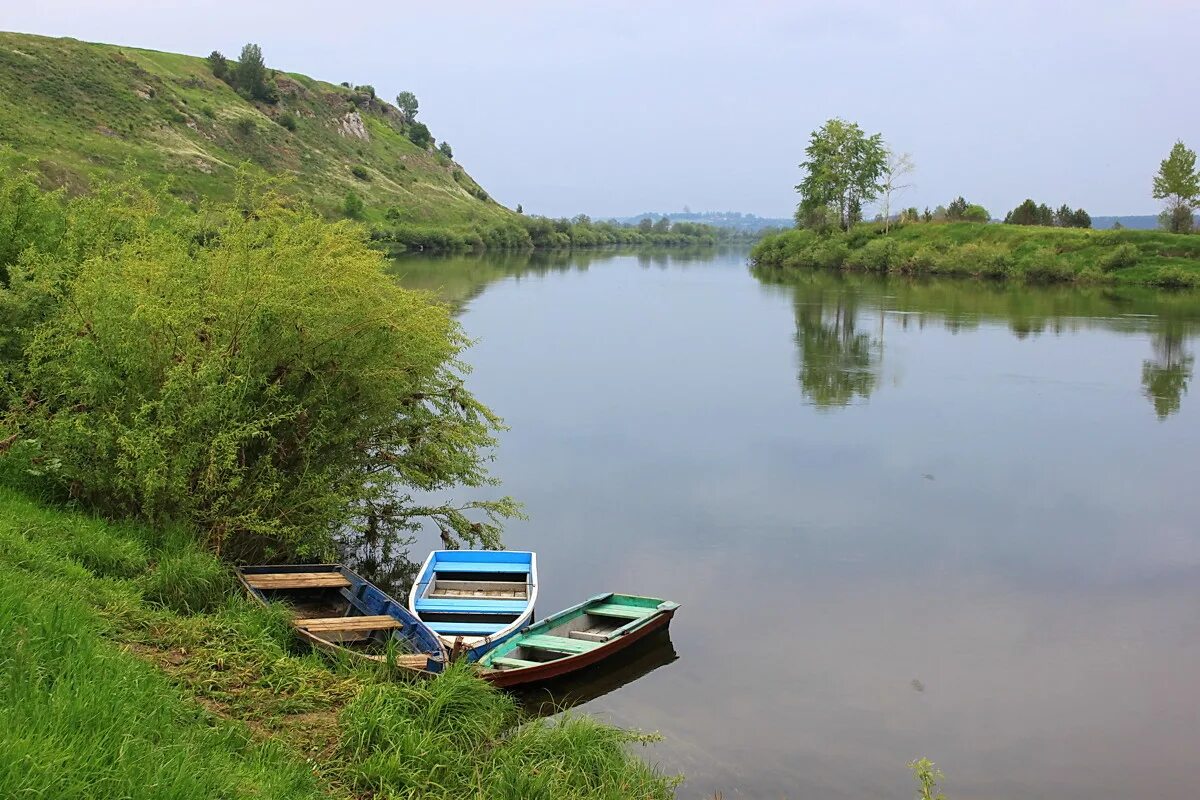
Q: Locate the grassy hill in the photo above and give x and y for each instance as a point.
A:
(78, 111)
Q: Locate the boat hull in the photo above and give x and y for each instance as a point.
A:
(569, 665)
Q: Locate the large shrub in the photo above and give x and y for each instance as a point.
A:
(252, 371)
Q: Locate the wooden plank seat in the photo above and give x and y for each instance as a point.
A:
(558, 644)
(620, 611)
(465, 628)
(297, 580)
(516, 662)
(361, 623)
(470, 605)
(481, 566)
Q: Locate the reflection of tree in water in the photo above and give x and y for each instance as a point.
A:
(838, 362)
(1165, 377)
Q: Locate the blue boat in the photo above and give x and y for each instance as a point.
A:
(475, 599)
(336, 609)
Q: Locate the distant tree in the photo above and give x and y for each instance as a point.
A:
(976, 213)
(1116, 226)
(219, 65)
(645, 225)
(1045, 217)
(896, 169)
(352, 206)
(419, 135)
(927, 215)
(1024, 214)
(520, 210)
(1081, 219)
(957, 209)
(940, 214)
(407, 103)
(843, 169)
(1178, 183)
(250, 75)
(663, 225)
(1064, 216)
(445, 149)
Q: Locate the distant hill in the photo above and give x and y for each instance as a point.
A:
(746, 223)
(1143, 222)
(77, 111)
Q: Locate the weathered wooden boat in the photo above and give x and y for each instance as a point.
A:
(333, 608)
(576, 638)
(475, 599)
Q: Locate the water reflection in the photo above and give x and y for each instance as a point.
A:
(637, 661)
(842, 321)
(1166, 375)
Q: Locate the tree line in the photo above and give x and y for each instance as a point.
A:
(845, 169)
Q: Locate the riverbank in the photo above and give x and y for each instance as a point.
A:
(135, 669)
(994, 251)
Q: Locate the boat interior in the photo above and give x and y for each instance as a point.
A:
(465, 599)
(331, 607)
(598, 623)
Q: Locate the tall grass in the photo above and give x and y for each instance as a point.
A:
(1021, 252)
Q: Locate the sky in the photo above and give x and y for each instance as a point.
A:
(616, 108)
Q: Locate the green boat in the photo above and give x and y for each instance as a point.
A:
(576, 638)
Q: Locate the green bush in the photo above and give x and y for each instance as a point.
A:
(288, 120)
(360, 172)
(261, 378)
(245, 126)
(1124, 255)
(1174, 278)
(188, 581)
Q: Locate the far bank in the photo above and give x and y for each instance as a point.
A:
(994, 251)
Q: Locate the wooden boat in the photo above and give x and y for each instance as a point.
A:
(475, 599)
(335, 609)
(576, 638)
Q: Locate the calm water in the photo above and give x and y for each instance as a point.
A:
(943, 519)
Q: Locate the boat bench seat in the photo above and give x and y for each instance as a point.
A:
(558, 644)
(466, 628)
(620, 611)
(361, 623)
(590, 636)
(297, 580)
(471, 605)
(515, 662)
(481, 566)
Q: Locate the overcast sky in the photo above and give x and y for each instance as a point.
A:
(614, 108)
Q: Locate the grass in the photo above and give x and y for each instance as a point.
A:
(1030, 253)
(78, 111)
(129, 670)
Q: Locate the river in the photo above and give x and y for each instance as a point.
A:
(943, 518)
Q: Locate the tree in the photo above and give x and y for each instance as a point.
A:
(520, 210)
(843, 170)
(1116, 226)
(957, 209)
(1064, 216)
(352, 206)
(896, 168)
(1045, 217)
(419, 135)
(407, 103)
(976, 213)
(1081, 219)
(219, 65)
(250, 74)
(445, 149)
(1178, 183)
(927, 215)
(1024, 214)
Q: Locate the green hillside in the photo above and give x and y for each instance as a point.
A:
(78, 111)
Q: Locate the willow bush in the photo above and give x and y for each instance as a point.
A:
(249, 369)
